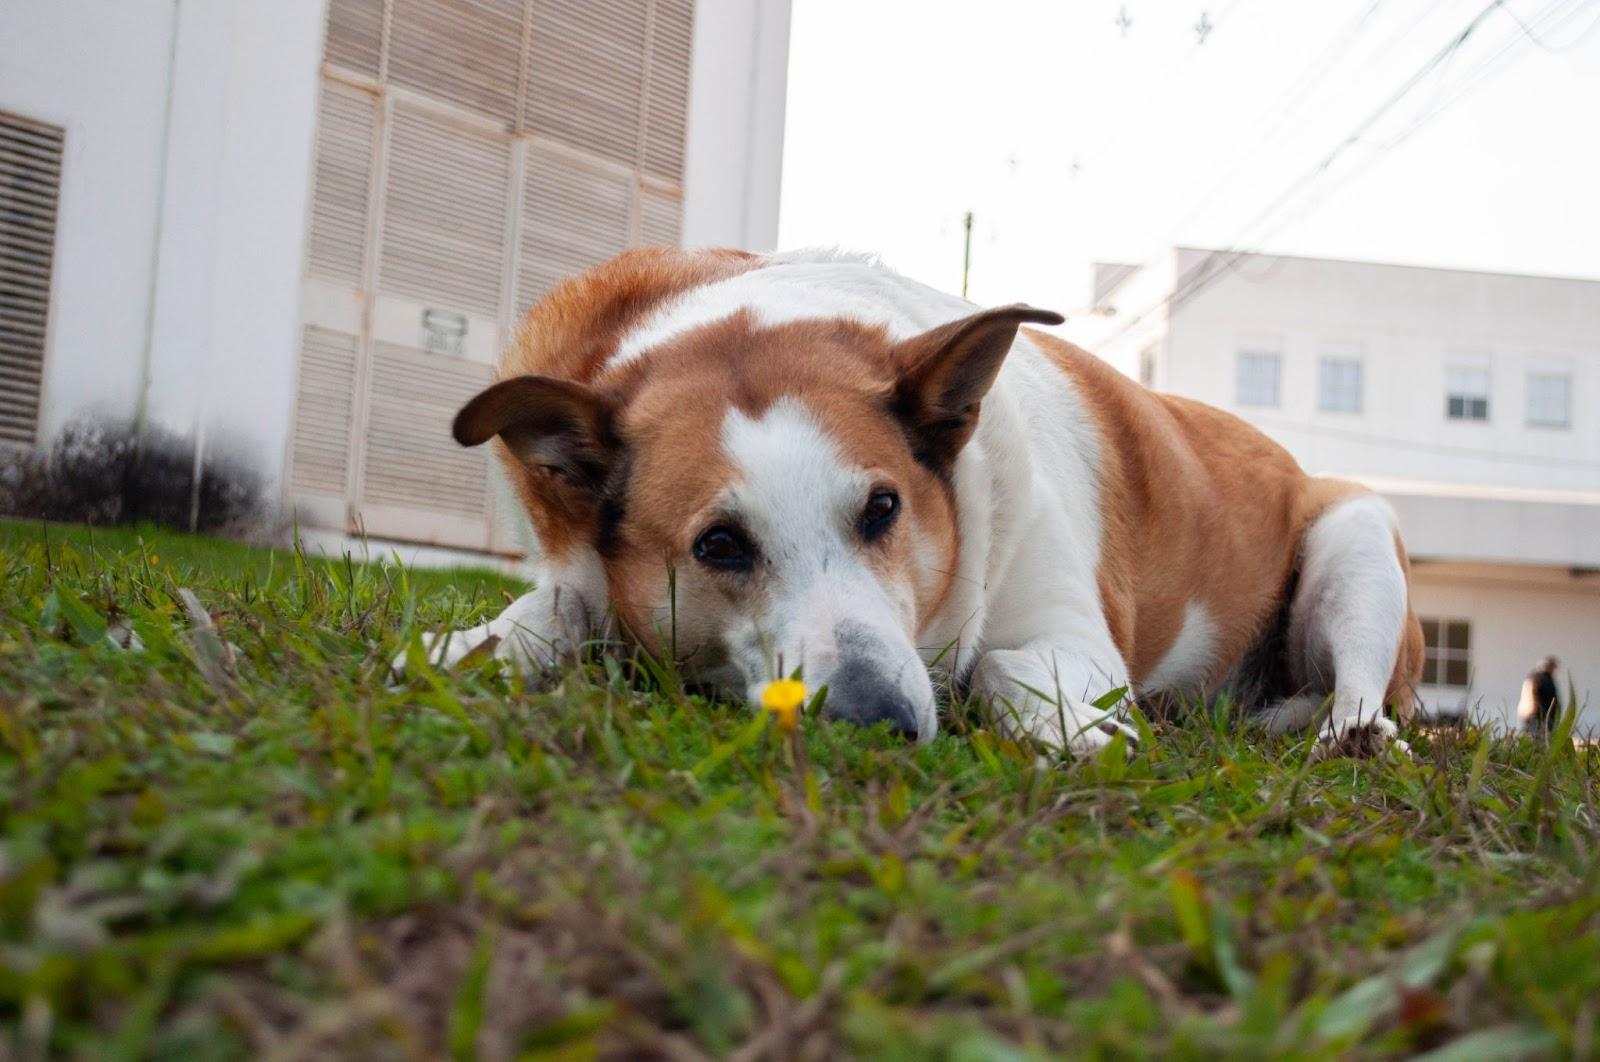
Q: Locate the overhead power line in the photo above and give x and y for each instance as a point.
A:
(1217, 262)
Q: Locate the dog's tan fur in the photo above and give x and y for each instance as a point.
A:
(1197, 508)
(1176, 477)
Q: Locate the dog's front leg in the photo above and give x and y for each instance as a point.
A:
(539, 630)
(1044, 691)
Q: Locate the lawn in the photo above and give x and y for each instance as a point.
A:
(240, 840)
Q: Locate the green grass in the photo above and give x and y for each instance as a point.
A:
(259, 848)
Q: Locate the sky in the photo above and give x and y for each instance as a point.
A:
(1075, 138)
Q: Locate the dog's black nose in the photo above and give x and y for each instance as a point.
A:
(858, 694)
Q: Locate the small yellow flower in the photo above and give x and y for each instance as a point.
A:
(784, 698)
(154, 559)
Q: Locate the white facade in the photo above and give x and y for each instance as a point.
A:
(1470, 400)
(180, 285)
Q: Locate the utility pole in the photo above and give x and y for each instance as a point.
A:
(966, 254)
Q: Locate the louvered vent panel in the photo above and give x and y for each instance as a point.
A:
(412, 461)
(660, 218)
(464, 51)
(30, 181)
(343, 181)
(327, 394)
(667, 106)
(355, 35)
(575, 215)
(585, 75)
(444, 225)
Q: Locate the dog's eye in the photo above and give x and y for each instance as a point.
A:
(880, 511)
(725, 547)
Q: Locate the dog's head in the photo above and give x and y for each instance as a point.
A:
(766, 499)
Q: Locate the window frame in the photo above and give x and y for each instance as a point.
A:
(1257, 357)
(1438, 653)
(1332, 363)
(1565, 423)
(1469, 399)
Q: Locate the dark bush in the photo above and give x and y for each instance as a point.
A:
(105, 474)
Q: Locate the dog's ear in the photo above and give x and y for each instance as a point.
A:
(945, 372)
(557, 427)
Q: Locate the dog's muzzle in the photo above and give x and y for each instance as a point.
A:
(860, 694)
(861, 691)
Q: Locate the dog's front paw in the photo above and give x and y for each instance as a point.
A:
(1019, 691)
(1358, 738)
(1078, 729)
(445, 649)
(540, 630)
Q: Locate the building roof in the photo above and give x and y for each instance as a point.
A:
(1182, 248)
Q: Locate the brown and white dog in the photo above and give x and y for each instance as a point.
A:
(811, 460)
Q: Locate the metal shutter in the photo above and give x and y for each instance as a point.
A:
(355, 35)
(586, 75)
(470, 155)
(343, 180)
(323, 408)
(411, 463)
(30, 184)
(575, 215)
(660, 218)
(444, 213)
(667, 101)
(468, 52)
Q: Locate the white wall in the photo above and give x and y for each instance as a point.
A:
(734, 157)
(1517, 617)
(232, 244)
(1408, 324)
(190, 126)
(98, 68)
(180, 247)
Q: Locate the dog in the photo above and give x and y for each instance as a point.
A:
(807, 463)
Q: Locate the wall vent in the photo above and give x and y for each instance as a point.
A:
(30, 186)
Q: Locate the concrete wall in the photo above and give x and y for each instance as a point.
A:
(99, 69)
(190, 126)
(232, 243)
(1518, 615)
(189, 131)
(1496, 525)
(734, 157)
(1407, 325)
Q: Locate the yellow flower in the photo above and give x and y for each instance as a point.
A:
(154, 559)
(784, 699)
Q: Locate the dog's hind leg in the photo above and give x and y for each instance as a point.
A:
(1350, 619)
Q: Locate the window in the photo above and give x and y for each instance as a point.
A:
(1258, 379)
(1466, 393)
(30, 179)
(1341, 385)
(1447, 653)
(1549, 399)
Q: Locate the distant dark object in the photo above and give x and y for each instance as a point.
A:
(1540, 705)
(107, 474)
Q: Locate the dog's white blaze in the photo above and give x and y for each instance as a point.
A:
(799, 499)
(1188, 661)
(791, 475)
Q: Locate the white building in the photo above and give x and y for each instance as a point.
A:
(1470, 400)
(299, 231)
